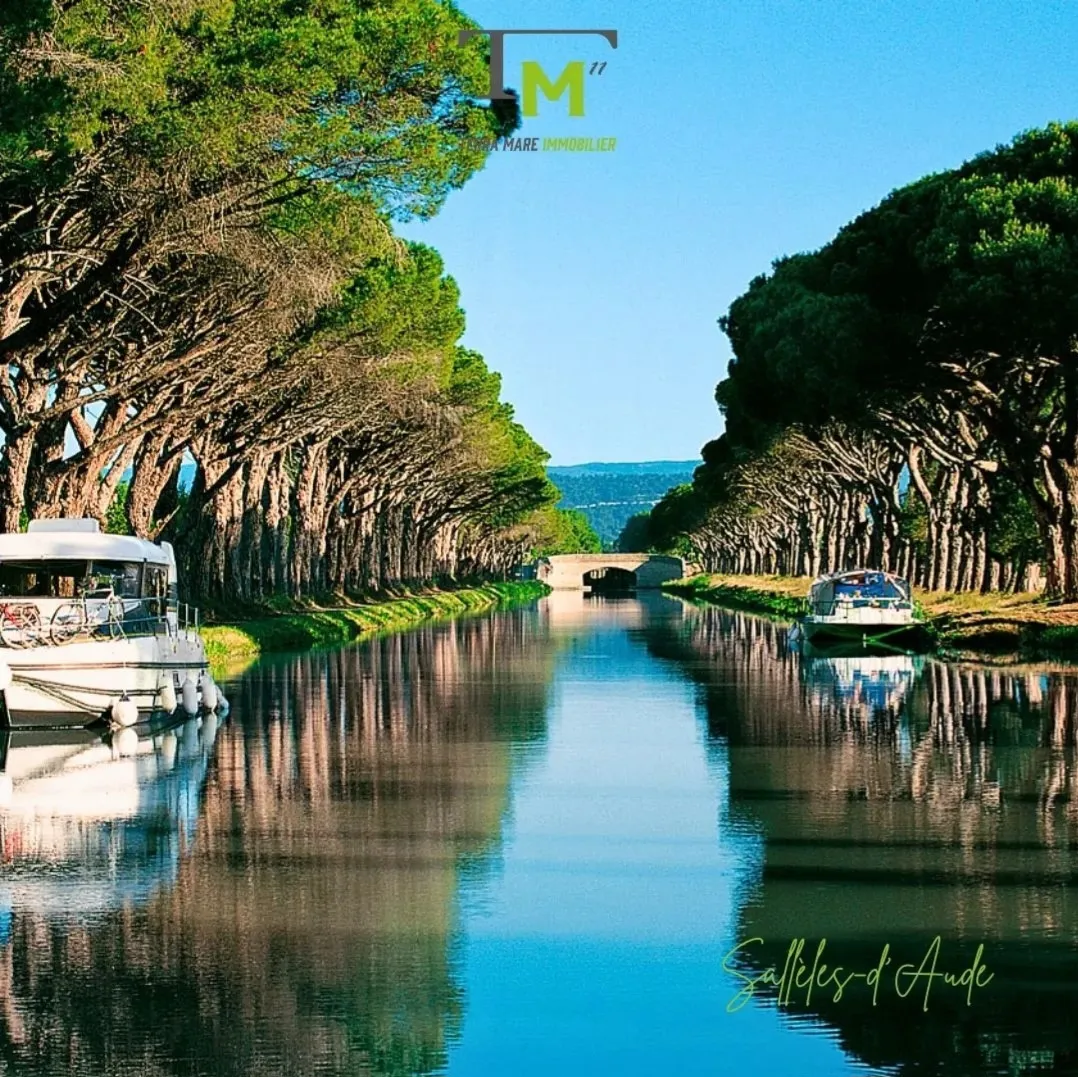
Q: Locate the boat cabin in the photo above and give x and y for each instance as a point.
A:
(859, 589)
(63, 577)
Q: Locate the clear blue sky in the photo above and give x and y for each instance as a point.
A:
(746, 129)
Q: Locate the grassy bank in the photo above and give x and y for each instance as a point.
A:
(775, 596)
(326, 625)
(994, 623)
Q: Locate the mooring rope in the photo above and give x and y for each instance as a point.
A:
(47, 689)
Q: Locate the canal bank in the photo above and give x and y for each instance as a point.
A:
(990, 624)
(299, 628)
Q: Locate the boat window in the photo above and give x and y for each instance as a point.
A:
(42, 579)
(155, 582)
(122, 578)
(77, 579)
(868, 585)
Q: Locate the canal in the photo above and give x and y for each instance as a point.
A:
(562, 839)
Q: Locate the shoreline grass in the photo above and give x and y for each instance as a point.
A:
(336, 620)
(969, 623)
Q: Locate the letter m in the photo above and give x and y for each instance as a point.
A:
(571, 79)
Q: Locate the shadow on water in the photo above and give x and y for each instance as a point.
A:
(899, 799)
(309, 924)
(609, 580)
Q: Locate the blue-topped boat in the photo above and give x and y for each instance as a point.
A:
(861, 606)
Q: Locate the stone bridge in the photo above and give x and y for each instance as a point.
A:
(608, 571)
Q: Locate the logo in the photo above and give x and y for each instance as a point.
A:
(534, 79)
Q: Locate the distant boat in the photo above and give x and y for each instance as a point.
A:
(860, 606)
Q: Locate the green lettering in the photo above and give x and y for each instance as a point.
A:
(534, 79)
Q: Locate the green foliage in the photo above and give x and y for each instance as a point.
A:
(514, 477)
(372, 97)
(635, 536)
(609, 498)
(979, 262)
(675, 517)
(563, 531)
(233, 167)
(472, 384)
(116, 521)
(913, 519)
(952, 305)
(398, 304)
(1013, 534)
(582, 536)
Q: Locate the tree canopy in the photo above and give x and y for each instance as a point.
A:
(197, 261)
(933, 338)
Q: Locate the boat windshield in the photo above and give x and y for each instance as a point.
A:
(869, 585)
(82, 579)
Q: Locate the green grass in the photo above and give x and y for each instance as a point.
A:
(773, 600)
(1058, 640)
(301, 629)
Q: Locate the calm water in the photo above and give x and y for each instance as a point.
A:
(538, 843)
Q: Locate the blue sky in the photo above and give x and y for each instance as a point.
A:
(746, 129)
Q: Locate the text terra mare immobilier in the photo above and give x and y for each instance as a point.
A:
(533, 79)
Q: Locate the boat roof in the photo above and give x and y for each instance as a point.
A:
(75, 540)
(834, 577)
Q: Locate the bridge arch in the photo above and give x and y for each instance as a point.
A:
(610, 579)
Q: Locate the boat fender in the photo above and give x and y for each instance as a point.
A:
(189, 695)
(168, 751)
(166, 696)
(223, 706)
(209, 693)
(124, 712)
(125, 742)
(5, 676)
(189, 747)
(209, 731)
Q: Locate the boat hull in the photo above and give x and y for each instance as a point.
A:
(836, 631)
(75, 684)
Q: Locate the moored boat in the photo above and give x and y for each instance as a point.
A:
(91, 628)
(860, 606)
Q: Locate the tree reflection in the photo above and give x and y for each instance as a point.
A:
(311, 926)
(898, 800)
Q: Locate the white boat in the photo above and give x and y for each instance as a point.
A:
(860, 606)
(91, 628)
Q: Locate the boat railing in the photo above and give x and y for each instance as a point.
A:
(840, 603)
(51, 622)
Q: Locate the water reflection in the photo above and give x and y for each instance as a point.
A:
(525, 843)
(89, 822)
(866, 686)
(899, 800)
(310, 925)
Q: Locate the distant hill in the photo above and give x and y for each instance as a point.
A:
(647, 467)
(609, 493)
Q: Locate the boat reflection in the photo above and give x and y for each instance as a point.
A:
(91, 821)
(900, 799)
(312, 926)
(866, 684)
